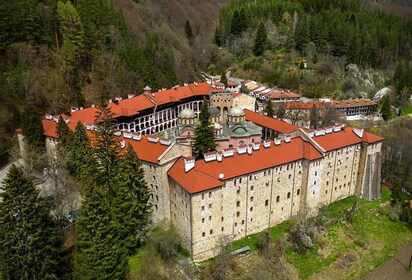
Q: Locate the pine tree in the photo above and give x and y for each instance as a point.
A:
(204, 139)
(103, 240)
(63, 132)
(386, 110)
(314, 117)
(133, 205)
(260, 40)
(79, 153)
(32, 127)
(235, 28)
(269, 110)
(223, 79)
(100, 252)
(188, 31)
(107, 149)
(73, 34)
(29, 239)
(218, 37)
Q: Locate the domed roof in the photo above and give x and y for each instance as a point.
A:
(213, 111)
(236, 111)
(187, 113)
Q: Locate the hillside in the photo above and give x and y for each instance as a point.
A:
(54, 54)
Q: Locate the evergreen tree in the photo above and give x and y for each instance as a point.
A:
(205, 134)
(107, 149)
(63, 132)
(73, 34)
(29, 239)
(103, 229)
(32, 127)
(223, 78)
(314, 117)
(269, 110)
(386, 110)
(402, 76)
(188, 31)
(218, 37)
(79, 153)
(235, 28)
(133, 204)
(260, 40)
(100, 251)
(280, 111)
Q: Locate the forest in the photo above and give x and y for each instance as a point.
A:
(57, 54)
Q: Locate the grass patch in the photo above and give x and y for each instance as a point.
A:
(406, 110)
(253, 240)
(372, 238)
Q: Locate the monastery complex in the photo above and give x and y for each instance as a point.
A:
(251, 183)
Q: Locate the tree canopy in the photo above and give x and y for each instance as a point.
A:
(204, 133)
(29, 238)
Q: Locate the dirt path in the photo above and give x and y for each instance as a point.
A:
(394, 268)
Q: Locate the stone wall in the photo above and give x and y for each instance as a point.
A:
(251, 203)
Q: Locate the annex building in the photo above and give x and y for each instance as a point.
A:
(243, 188)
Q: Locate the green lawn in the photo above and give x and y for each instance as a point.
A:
(253, 240)
(406, 110)
(372, 238)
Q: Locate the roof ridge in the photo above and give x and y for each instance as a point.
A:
(150, 98)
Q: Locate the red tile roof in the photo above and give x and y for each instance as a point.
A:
(371, 138)
(145, 150)
(336, 140)
(271, 123)
(200, 88)
(304, 105)
(49, 128)
(239, 165)
(193, 181)
(136, 104)
(282, 95)
(353, 103)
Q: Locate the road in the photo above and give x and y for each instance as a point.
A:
(395, 267)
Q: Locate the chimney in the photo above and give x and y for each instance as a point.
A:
(130, 95)
(287, 138)
(127, 135)
(137, 136)
(219, 156)
(277, 141)
(189, 163)
(122, 144)
(228, 152)
(249, 149)
(147, 90)
(266, 144)
(210, 156)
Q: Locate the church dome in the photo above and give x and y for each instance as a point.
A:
(213, 111)
(187, 113)
(236, 111)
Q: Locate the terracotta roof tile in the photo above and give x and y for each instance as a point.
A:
(271, 123)
(193, 181)
(239, 165)
(200, 88)
(336, 140)
(371, 138)
(136, 104)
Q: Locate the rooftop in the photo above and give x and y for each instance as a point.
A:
(271, 123)
(210, 174)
